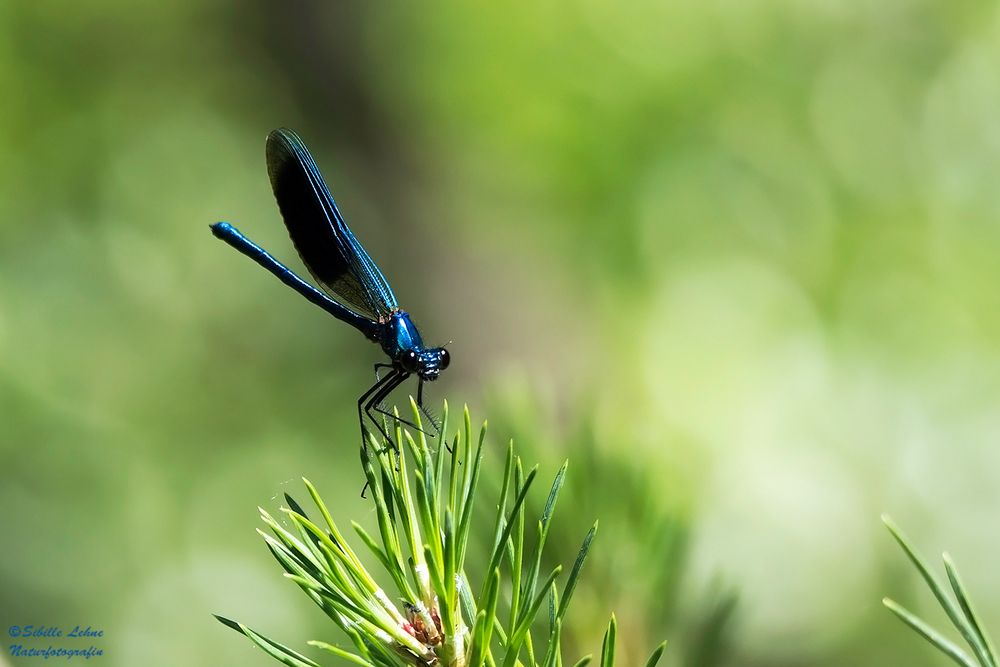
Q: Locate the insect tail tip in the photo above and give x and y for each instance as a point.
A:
(221, 229)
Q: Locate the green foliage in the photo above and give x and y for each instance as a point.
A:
(960, 611)
(424, 502)
(648, 520)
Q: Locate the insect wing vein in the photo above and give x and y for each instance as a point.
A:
(331, 252)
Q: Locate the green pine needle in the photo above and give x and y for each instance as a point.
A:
(424, 500)
(960, 613)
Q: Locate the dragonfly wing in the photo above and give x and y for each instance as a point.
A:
(328, 248)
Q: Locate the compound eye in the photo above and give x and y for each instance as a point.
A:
(443, 359)
(409, 360)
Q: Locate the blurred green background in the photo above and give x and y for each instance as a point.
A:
(737, 261)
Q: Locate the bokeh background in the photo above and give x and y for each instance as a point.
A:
(737, 261)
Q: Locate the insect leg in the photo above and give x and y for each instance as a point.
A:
(377, 407)
(388, 384)
(363, 402)
(375, 395)
(434, 421)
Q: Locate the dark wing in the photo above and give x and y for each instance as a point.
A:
(327, 247)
